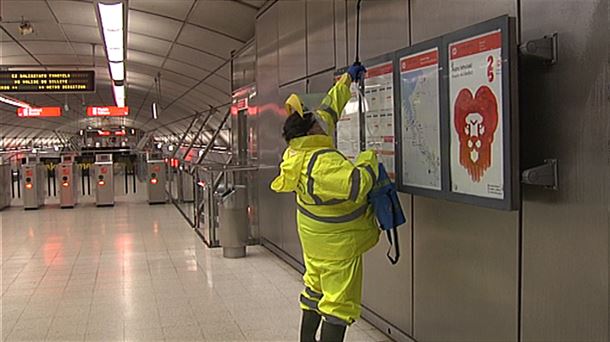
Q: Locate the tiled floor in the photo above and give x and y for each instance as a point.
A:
(137, 272)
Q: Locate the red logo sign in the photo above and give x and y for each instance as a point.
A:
(28, 173)
(66, 171)
(104, 169)
(476, 121)
(107, 111)
(39, 112)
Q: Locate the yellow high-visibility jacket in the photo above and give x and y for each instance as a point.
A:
(335, 221)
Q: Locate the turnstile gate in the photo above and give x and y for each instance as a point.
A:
(156, 181)
(32, 180)
(6, 183)
(67, 174)
(104, 180)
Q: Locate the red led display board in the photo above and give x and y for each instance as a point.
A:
(107, 111)
(39, 112)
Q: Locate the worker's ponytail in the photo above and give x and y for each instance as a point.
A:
(296, 126)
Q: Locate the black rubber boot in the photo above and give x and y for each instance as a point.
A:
(332, 332)
(309, 325)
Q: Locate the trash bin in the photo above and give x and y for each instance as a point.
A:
(233, 219)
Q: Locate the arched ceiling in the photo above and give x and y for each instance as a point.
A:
(187, 41)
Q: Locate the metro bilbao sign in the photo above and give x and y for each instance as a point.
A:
(107, 111)
(39, 112)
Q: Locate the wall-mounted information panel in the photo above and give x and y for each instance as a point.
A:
(457, 122)
(40, 81)
(419, 123)
(481, 84)
(379, 116)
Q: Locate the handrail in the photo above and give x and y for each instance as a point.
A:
(213, 138)
(211, 112)
(188, 129)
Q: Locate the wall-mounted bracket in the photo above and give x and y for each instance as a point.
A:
(544, 175)
(544, 49)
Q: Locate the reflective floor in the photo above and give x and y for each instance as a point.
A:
(137, 272)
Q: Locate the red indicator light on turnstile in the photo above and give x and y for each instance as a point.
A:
(28, 186)
(101, 182)
(153, 181)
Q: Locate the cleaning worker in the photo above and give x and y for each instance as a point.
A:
(335, 222)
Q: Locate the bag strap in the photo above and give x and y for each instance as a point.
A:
(392, 235)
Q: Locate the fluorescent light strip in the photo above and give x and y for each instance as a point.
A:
(154, 111)
(119, 95)
(14, 102)
(112, 26)
(117, 71)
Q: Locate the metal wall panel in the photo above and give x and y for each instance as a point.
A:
(565, 233)
(387, 288)
(321, 83)
(340, 33)
(465, 257)
(384, 27)
(244, 67)
(320, 35)
(270, 122)
(465, 271)
(292, 50)
(432, 18)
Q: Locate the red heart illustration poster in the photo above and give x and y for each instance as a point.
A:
(475, 93)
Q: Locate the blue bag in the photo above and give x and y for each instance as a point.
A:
(384, 199)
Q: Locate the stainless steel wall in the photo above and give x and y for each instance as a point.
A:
(468, 273)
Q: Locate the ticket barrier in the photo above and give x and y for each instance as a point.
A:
(104, 180)
(157, 180)
(33, 182)
(6, 183)
(67, 174)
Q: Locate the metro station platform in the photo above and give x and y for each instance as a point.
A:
(136, 272)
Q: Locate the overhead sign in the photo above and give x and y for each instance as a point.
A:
(36, 81)
(39, 112)
(107, 111)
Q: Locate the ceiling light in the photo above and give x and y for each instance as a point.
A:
(119, 95)
(154, 111)
(117, 71)
(112, 26)
(13, 102)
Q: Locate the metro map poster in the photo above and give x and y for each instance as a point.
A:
(476, 117)
(379, 116)
(420, 120)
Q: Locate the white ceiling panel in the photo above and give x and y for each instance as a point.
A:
(35, 11)
(11, 49)
(152, 25)
(42, 31)
(176, 9)
(185, 69)
(209, 41)
(147, 44)
(82, 49)
(144, 58)
(229, 17)
(83, 34)
(74, 12)
(58, 59)
(44, 48)
(193, 57)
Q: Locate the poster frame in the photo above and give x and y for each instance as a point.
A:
(510, 113)
(443, 116)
